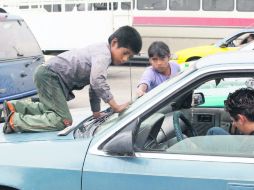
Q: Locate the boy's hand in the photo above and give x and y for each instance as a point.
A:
(98, 114)
(140, 92)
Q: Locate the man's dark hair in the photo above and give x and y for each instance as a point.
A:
(127, 37)
(158, 48)
(241, 102)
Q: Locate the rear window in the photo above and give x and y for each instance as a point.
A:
(17, 40)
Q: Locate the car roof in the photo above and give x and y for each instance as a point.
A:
(7, 16)
(239, 57)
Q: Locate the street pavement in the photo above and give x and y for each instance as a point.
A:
(122, 81)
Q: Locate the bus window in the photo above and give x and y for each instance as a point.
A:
(34, 6)
(245, 5)
(152, 4)
(218, 5)
(81, 7)
(69, 7)
(126, 5)
(188, 5)
(24, 7)
(98, 6)
(57, 8)
(115, 6)
(48, 8)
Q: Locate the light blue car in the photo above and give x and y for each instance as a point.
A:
(159, 142)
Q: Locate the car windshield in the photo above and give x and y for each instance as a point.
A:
(17, 40)
(92, 126)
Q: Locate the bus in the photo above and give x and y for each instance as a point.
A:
(61, 25)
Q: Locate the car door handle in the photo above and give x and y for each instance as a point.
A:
(239, 186)
(2, 90)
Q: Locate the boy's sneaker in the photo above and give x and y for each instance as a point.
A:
(7, 109)
(9, 125)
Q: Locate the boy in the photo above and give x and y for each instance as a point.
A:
(72, 70)
(160, 70)
(240, 106)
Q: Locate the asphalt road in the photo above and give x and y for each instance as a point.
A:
(122, 80)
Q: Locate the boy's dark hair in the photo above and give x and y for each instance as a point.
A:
(158, 48)
(241, 102)
(127, 37)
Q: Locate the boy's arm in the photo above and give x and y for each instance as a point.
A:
(116, 107)
(98, 78)
(95, 102)
(100, 87)
(145, 82)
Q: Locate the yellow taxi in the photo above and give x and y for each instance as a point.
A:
(229, 43)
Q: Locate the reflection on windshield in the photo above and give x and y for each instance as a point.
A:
(17, 39)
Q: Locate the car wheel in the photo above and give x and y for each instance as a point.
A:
(192, 59)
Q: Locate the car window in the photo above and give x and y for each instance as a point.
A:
(18, 40)
(223, 145)
(216, 91)
(241, 39)
(179, 124)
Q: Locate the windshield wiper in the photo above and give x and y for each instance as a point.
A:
(19, 54)
(89, 125)
(89, 129)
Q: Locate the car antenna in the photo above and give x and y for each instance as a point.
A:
(130, 78)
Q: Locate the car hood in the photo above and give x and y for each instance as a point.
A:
(196, 49)
(78, 115)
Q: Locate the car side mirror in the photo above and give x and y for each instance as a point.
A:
(122, 144)
(198, 99)
(224, 45)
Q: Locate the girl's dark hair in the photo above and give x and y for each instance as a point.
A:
(158, 48)
(241, 102)
(127, 37)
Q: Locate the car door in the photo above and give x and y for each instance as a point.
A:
(224, 162)
(20, 54)
(175, 168)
